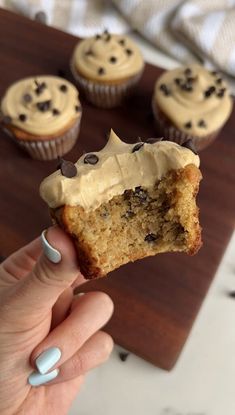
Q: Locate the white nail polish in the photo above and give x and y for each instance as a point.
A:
(36, 379)
(52, 254)
(46, 360)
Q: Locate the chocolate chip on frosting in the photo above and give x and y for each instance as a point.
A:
(91, 159)
(98, 37)
(122, 42)
(202, 123)
(188, 71)
(67, 168)
(129, 52)
(55, 111)
(165, 89)
(151, 237)
(27, 98)
(221, 93)
(40, 87)
(44, 105)
(137, 147)
(63, 88)
(188, 124)
(209, 91)
(78, 108)
(101, 71)
(22, 117)
(112, 59)
(219, 81)
(89, 52)
(153, 140)
(190, 145)
(214, 73)
(178, 81)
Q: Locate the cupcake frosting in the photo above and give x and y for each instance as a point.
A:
(98, 177)
(41, 105)
(107, 57)
(195, 100)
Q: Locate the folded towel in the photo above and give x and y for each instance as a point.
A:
(193, 30)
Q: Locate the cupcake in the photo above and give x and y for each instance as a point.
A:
(127, 202)
(191, 103)
(43, 115)
(107, 67)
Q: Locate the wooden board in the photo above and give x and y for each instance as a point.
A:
(156, 299)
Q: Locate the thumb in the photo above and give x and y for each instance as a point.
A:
(56, 269)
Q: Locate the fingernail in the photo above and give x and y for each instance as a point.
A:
(46, 360)
(51, 253)
(36, 379)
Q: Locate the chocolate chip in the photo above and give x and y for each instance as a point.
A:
(188, 124)
(6, 119)
(67, 168)
(137, 147)
(122, 42)
(209, 91)
(129, 52)
(106, 32)
(55, 111)
(140, 193)
(151, 237)
(22, 117)
(91, 159)
(191, 79)
(186, 87)
(89, 53)
(165, 89)
(101, 71)
(27, 98)
(188, 71)
(123, 356)
(44, 105)
(98, 37)
(40, 87)
(214, 73)
(202, 123)
(221, 93)
(190, 145)
(63, 88)
(178, 81)
(219, 81)
(153, 140)
(78, 108)
(112, 59)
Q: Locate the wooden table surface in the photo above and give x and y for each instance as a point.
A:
(156, 299)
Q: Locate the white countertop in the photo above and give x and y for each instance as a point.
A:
(203, 380)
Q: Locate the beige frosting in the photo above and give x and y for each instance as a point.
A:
(204, 114)
(93, 58)
(38, 122)
(117, 170)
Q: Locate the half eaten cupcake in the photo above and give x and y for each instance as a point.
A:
(126, 202)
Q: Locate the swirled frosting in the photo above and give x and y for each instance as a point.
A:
(196, 100)
(117, 167)
(107, 57)
(42, 105)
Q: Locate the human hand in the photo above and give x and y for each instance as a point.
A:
(38, 312)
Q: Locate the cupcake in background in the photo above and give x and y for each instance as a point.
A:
(42, 114)
(191, 103)
(107, 68)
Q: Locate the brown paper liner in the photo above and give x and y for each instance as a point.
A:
(172, 133)
(104, 95)
(50, 149)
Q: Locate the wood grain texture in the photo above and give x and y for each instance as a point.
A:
(156, 299)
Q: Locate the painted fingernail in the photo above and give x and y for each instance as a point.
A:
(51, 253)
(36, 379)
(46, 360)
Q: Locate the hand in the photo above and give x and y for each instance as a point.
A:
(38, 313)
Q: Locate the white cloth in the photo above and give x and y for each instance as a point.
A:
(192, 30)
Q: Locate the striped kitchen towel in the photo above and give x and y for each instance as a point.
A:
(189, 31)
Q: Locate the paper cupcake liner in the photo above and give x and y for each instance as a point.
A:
(172, 133)
(50, 149)
(103, 95)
